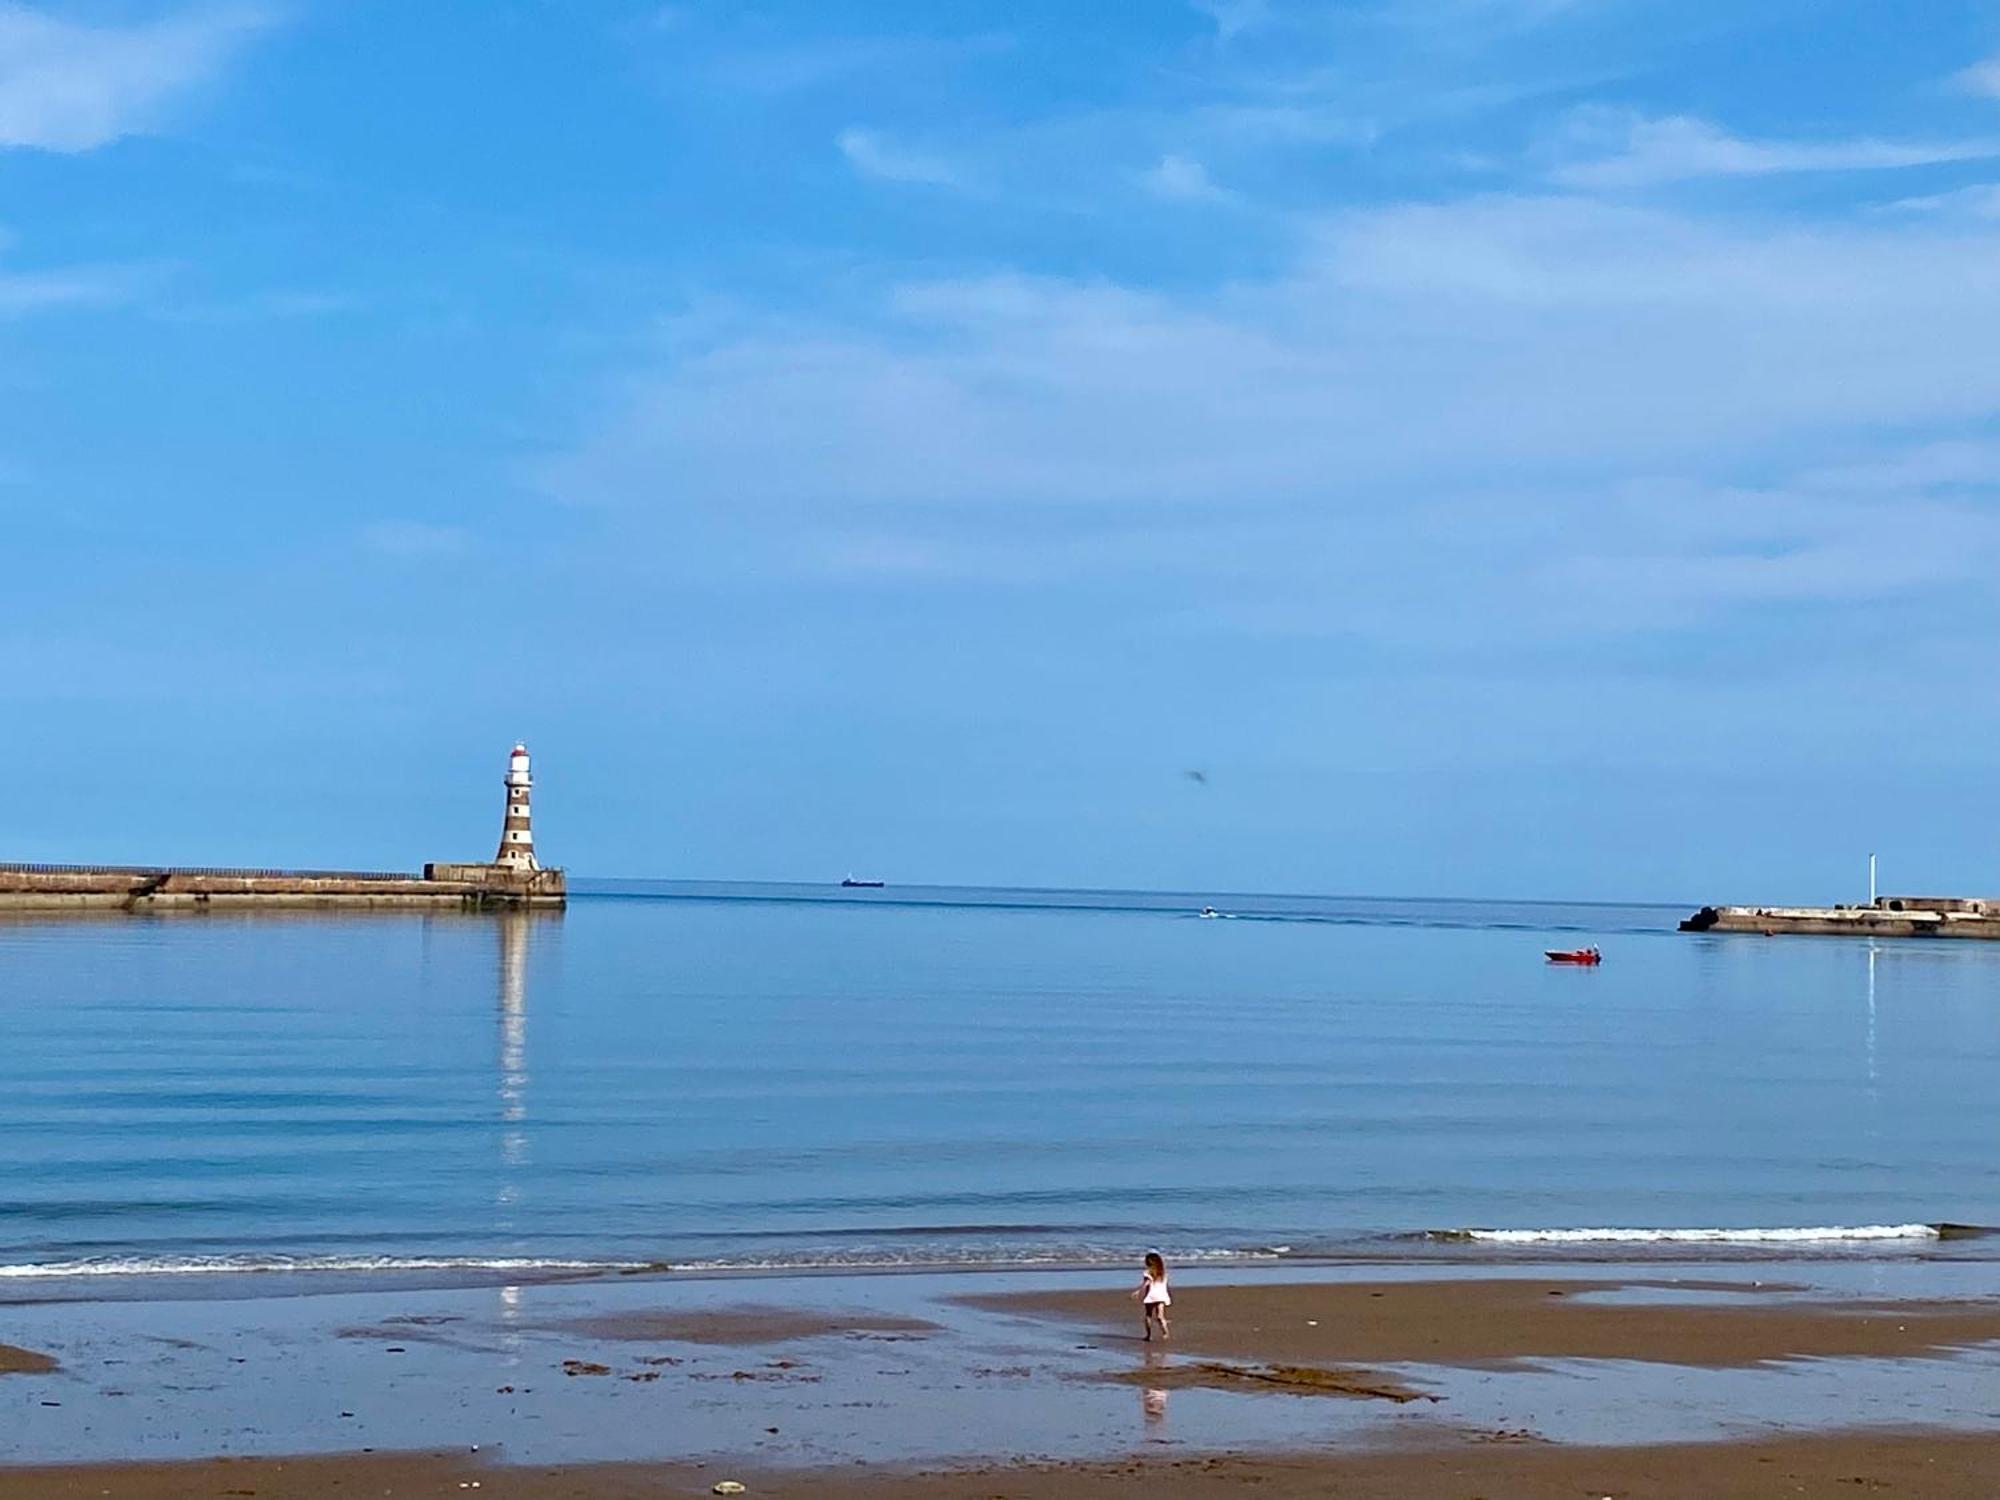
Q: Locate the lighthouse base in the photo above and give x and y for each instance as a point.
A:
(509, 886)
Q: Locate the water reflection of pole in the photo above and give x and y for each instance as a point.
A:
(1872, 950)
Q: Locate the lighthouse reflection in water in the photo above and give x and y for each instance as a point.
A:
(513, 933)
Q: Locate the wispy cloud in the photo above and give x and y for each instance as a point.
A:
(1633, 151)
(872, 154)
(1983, 77)
(1477, 23)
(413, 540)
(23, 293)
(1182, 179)
(1487, 383)
(1675, 553)
(1980, 201)
(751, 58)
(69, 86)
(264, 306)
(1233, 17)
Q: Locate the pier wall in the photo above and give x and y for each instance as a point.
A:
(58, 888)
(1889, 917)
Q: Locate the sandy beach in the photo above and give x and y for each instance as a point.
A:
(23, 1361)
(1893, 1464)
(1461, 1322)
(1481, 1385)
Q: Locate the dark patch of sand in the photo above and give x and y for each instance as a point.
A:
(396, 1334)
(1475, 1322)
(1299, 1380)
(15, 1361)
(738, 1326)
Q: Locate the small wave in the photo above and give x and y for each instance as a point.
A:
(1966, 1231)
(942, 1258)
(980, 1258)
(1825, 1235)
(245, 1265)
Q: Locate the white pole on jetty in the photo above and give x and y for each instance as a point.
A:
(1871, 880)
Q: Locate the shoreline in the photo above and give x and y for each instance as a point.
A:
(1443, 1254)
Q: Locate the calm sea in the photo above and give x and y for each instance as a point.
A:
(759, 1075)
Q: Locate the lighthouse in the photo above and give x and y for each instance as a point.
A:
(517, 839)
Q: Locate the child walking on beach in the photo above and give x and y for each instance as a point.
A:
(1153, 1296)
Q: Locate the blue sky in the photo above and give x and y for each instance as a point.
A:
(1518, 447)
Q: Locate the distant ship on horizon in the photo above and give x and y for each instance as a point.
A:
(852, 884)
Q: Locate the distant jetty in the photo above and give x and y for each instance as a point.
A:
(1885, 916)
(514, 878)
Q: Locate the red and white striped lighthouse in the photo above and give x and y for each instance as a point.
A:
(517, 839)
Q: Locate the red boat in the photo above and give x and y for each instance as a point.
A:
(1574, 955)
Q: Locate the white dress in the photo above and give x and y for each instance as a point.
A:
(1156, 1293)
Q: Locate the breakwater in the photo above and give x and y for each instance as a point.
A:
(1885, 917)
(512, 880)
(471, 887)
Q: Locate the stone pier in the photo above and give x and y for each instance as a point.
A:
(55, 888)
(1886, 917)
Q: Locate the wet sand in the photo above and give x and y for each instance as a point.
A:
(1491, 1386)
(23, 1361)
(1481, 1322)
(1896, 1464)
(746, 1326)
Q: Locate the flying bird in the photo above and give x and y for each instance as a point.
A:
(1200, 778)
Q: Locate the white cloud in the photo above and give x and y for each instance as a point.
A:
(1640, 152)
(69, 86)
(873, 155)
(26, 292)
(1982, 77)
(1181, 179)
(1674, 553)
(1946, 466)
(1981, 201)
(1488, 384)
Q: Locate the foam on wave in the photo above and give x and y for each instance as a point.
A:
(994, 1257)
(1823, 1235)
(241, 1265)
(940, 1258)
